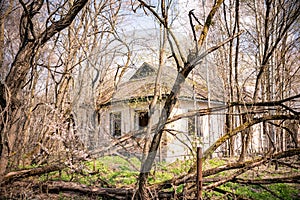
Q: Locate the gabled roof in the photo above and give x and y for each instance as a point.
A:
(144, 71)
(142, 84)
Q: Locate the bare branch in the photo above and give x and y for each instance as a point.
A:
(244, 126)
(64, 22)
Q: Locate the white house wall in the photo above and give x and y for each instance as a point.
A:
(178, 143)
(206, 138)
(178, 146)
(212, 127)
(104, 127)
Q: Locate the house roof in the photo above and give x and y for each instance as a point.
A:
(142, 84)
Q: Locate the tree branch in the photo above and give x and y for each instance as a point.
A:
(242, 127)
(64, 22)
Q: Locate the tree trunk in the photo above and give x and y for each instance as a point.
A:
(11, 97)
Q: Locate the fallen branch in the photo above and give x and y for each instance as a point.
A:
(191, 177)
(61, 186)
(271, 192)
(116, 193)
(15, 175)
(242, 127)
(287, 179)
(233, 195)
(234, 175)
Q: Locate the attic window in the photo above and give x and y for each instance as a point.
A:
(115, 124)
(142, 119)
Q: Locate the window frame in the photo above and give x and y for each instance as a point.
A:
(197, 124)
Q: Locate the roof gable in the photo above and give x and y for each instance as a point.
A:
(144, 71)
(142, 85)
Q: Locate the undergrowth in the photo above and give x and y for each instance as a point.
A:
(115, 171)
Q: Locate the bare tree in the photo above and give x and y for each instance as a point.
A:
(74, 62)
(183, 71)
(32, 39)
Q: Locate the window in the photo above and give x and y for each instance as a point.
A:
(194, 125)
(115, 124)
(142, 119)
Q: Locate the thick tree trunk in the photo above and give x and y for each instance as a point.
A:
(11, 97)
(11, 119)
(166, 111)
(173, 96)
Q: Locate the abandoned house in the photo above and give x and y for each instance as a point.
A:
(127, 112)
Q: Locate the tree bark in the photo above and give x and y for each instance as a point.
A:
(171, 101)
(10, 119)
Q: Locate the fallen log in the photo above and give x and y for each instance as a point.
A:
(286, 179)
(16, 175)
(242, 166)
(61, 186)
(110, 193)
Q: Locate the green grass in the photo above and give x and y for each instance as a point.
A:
(119, 172)
(113, 170)
(214, 162)
(256, 192)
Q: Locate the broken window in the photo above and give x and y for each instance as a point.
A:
(142, 119)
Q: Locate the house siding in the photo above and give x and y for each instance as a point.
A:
(178, 142)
